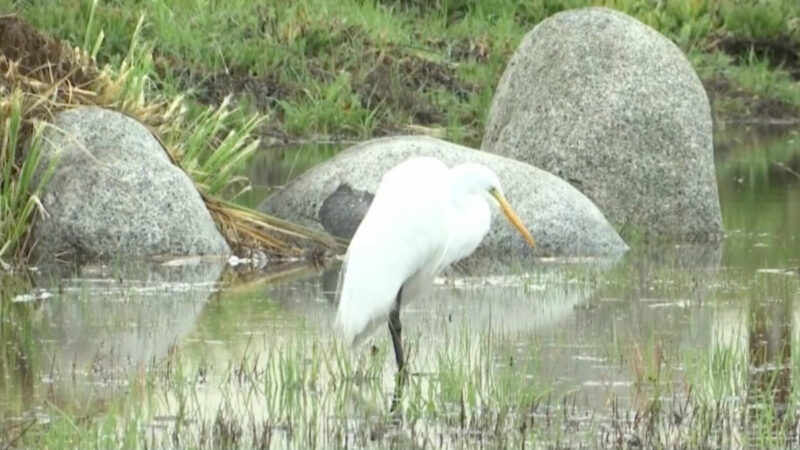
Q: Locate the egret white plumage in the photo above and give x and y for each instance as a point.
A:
(424, 217)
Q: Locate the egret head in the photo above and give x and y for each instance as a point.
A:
(479, 179)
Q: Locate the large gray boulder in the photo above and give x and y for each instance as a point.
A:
(609, 104)
(335, 195)
(115, 193)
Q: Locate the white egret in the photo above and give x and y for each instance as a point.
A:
(424, 217)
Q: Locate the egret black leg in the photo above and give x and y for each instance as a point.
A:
(397, 396)
(396, 331)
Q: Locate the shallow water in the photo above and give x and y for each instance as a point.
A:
(184, 344)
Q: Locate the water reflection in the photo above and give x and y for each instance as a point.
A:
(770, 341)
(82, 342)
(275, 167)
(770, 350)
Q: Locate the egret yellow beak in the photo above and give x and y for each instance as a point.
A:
(513, 217)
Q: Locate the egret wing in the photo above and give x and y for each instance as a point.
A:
(402, 235)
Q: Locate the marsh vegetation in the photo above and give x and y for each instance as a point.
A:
(688, 346)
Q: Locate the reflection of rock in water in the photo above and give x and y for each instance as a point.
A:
(678, 272)
(680, 256)
(770, 350)
(330, 283)
(650, 301)
(487, 270)
(504, 303)
(101, 327)
(480, 265)
(757, 333)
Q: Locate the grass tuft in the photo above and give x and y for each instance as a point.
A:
(20, 190)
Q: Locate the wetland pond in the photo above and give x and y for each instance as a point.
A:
(679, 345)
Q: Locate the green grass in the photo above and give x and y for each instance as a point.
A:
(20, 189)
(211, 144)
(358, 68)
(748, 88)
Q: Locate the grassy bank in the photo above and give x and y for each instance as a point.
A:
(40, 77)
(349, 68)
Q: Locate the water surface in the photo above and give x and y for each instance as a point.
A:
(185, 345)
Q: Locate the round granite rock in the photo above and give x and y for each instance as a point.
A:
(334, 194)
(115, 193)
(607, 103)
